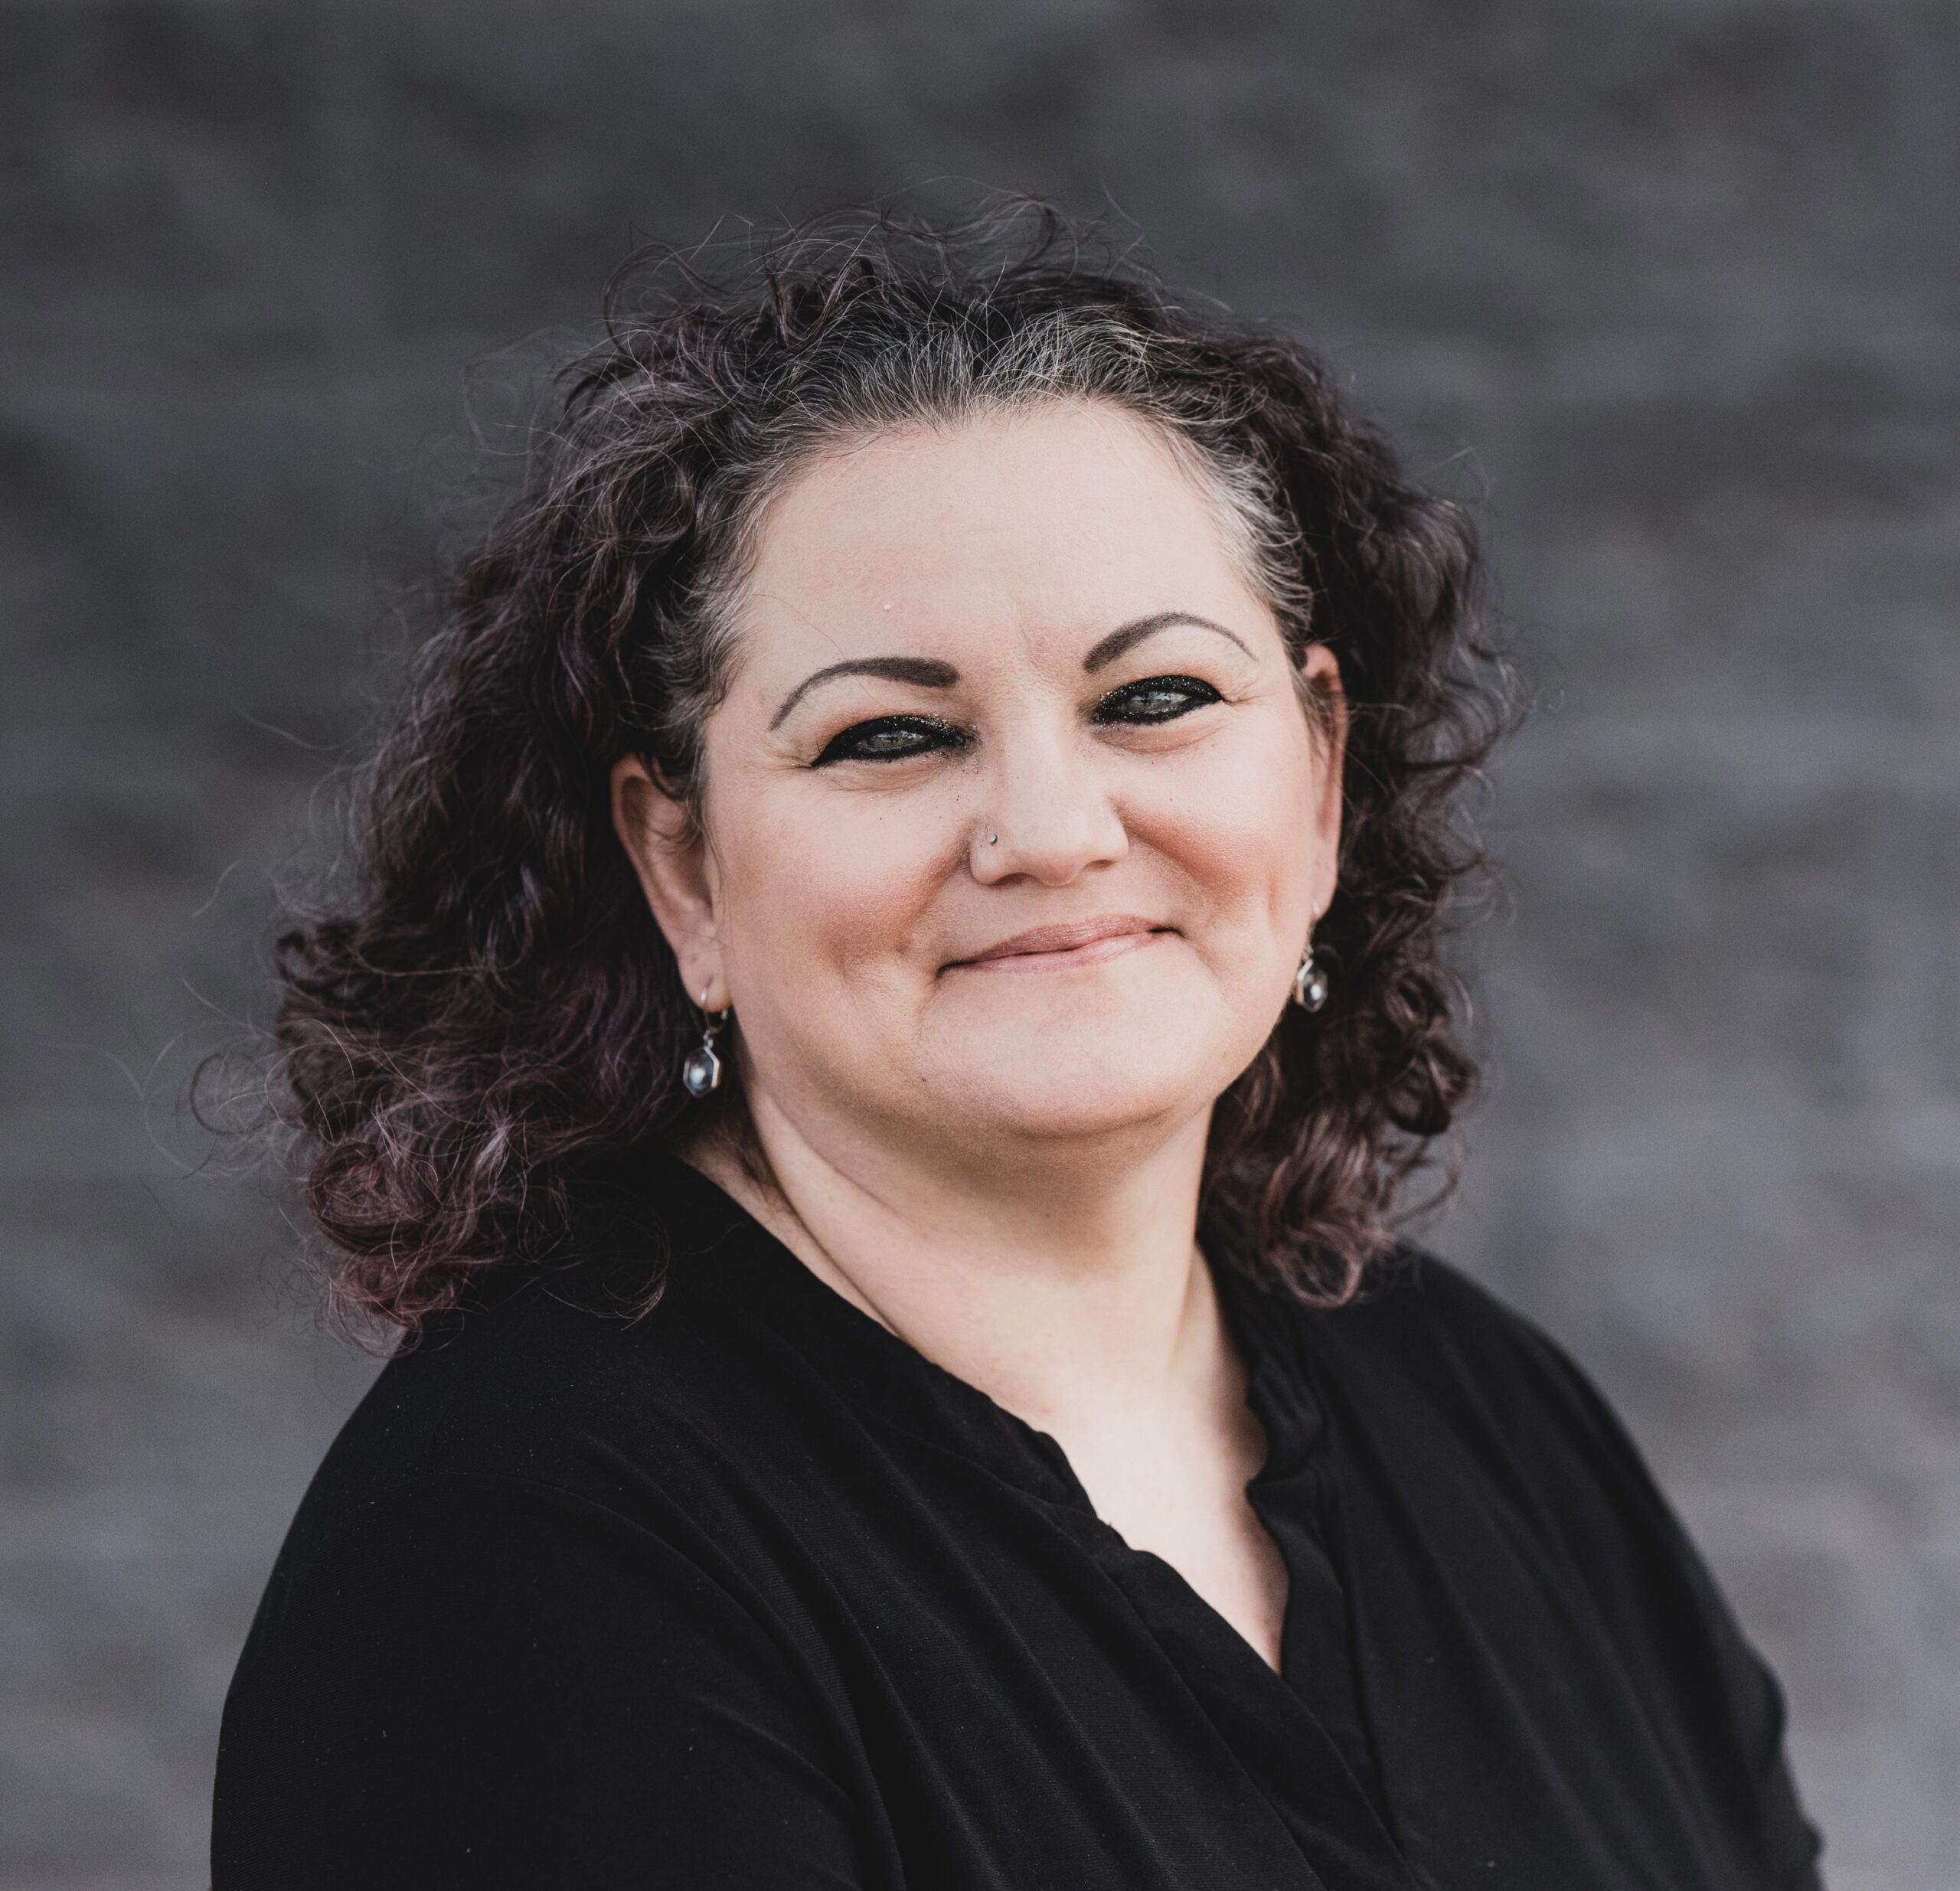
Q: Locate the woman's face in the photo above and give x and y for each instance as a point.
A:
(1015, 825)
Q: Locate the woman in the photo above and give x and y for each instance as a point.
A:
(895, 987)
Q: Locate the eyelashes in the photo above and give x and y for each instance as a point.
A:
(892, 739)
(1151, 699)
(1154, 699)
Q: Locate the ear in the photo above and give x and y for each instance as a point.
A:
(676, 873)
(1326, 708)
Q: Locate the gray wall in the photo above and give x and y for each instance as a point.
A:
(1672, 282)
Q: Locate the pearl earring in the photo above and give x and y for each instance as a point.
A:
(1310, 985)
(702, 1071)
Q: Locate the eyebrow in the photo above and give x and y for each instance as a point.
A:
(1106, 650)
(930, 673)
(927, 672)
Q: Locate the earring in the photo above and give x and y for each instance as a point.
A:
(702, 1071)
(1310, 985)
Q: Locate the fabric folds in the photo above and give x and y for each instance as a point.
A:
(747, 1593)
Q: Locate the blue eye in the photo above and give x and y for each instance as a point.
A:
(1155, 699)
(890, 739)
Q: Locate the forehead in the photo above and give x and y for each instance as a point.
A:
(1070, 515)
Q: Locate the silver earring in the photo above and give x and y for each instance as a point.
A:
(993, 840)
(1310, 985)
(702, 1071)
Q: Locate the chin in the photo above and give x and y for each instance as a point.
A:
(1089, 1084)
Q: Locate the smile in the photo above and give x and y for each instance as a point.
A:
(1062, 948)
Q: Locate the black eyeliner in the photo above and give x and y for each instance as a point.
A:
(946, 734)
(1203, 693)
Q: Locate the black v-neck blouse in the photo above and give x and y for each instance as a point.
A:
(747, 1595)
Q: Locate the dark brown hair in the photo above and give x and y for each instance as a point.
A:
(491, 1009)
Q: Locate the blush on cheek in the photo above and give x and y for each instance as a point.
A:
(820, 905)
(1241, 828)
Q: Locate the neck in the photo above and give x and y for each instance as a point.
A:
(1075, 1285)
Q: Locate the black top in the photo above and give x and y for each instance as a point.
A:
(748, 1595)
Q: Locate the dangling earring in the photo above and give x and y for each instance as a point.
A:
(1310, 985)
(702, 1071)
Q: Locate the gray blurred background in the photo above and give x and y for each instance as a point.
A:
(1670, 285)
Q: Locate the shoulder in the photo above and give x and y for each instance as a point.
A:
(497, 1545)
(1468, 1411)
(1436, 1356)
(543, 1405)
(1445, 1389)
(1462, 1397)
(1418, 1313)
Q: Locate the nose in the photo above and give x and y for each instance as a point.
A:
(1049, 815)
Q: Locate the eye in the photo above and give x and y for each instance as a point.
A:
(890, 738)
(1154, 699)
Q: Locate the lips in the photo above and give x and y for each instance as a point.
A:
(1085, 942)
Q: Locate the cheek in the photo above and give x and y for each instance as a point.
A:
(1237, 817)
(829, 886)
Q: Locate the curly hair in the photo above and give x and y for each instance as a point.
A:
(490, 1010)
